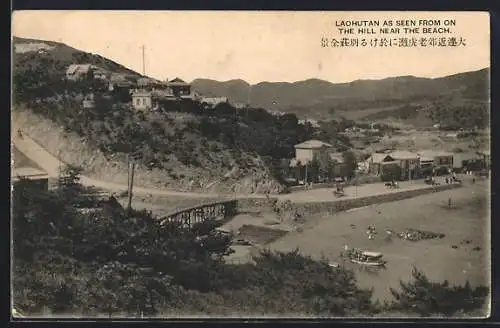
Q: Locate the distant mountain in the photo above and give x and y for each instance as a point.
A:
(312, 98)
(317, 98)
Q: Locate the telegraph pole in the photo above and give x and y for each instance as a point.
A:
(248, 98)
(305, 178)
(131, 169)
(143, 62)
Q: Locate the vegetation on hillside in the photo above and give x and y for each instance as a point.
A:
(78, 254)
(323, 100)
(449, 114)
(181, 134)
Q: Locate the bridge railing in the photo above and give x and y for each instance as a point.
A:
(218, 210)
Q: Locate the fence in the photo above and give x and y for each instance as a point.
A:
(217, 210)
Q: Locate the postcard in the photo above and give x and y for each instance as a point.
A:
(250, 164)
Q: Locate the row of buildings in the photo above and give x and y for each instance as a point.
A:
(398, 164)
(407, 165)
(146, 93)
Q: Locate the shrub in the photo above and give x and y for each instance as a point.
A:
(426, 298)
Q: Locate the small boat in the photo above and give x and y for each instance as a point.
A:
(370, 263)
(372, 255)
(373, 259)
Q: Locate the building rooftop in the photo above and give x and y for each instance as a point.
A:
(117, 77)
(178, 82)
(403, 154)
(434, 153)
(426, 159)
(80, 68)
(313, 144)
(380, 157)
(141, 93)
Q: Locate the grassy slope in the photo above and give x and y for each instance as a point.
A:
(65, 55)
(206, 176)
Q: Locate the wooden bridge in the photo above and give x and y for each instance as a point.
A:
(219, 210)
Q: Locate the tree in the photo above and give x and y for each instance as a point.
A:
(425, 297)
(350, 163)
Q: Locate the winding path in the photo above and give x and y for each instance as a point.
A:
(51, 165)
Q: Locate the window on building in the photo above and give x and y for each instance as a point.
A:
(138, 101)
(144, 101)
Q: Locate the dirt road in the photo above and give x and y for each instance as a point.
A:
(51, 165)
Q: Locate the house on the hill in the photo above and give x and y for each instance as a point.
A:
(331, 164)
(307, 151)
(119, 81)
(76, 72)
(142, 99)
(180, 88)
(88, 101)
(149, 83)
(101, 74)
(145, 99)
(213, 101)
(314, 123)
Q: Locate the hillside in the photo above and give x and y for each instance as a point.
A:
(182, 146)
(320, 99)
(26, 55)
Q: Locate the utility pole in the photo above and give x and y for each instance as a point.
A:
(128, 175)
(143, 62)
(356, 179)
(248, 98)
(131, 165)
(305, 178)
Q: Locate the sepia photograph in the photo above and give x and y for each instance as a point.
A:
(250, 164)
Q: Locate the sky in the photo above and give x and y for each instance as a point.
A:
(261, 46)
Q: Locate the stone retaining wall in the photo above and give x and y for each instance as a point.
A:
(255, 205)
(334, 206)
(347, 204)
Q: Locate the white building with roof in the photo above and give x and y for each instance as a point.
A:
(408, 163)
(213, 101)
(180, 88)
(146, 99)
(306, 151)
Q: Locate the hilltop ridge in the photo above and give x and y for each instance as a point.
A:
(315, 98)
